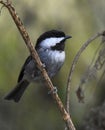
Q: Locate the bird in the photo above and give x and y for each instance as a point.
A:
(50, 47)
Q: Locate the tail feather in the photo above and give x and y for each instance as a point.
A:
(18, 91)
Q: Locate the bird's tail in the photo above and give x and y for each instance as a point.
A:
(18, 91)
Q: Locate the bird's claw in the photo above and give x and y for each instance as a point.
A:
(54, 91)
(43, 65)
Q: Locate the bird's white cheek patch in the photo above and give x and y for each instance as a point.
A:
(47, 43)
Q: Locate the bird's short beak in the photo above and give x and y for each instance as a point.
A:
(67, 37)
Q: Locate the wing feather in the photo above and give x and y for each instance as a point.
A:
(23, 68)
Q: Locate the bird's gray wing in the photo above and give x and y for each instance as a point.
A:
(23, 68)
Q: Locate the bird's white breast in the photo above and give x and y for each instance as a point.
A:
(57, 56)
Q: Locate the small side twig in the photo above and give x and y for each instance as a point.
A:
(73, 66)
(26, 38)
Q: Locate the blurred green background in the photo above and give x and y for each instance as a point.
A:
(36, 110)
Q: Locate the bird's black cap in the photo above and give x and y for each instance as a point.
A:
(51, 34)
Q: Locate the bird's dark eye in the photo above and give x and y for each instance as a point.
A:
(59, 46)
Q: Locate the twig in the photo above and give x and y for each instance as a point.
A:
(24, 34)
(74, 63)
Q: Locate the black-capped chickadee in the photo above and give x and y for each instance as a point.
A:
(50, 47)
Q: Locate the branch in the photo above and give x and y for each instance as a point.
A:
(74, 63)
(29, 44)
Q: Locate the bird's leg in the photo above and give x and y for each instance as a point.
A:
(54, 90)
(43, 65)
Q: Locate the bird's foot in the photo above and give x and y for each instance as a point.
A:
(43, 65)
(54, 90)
